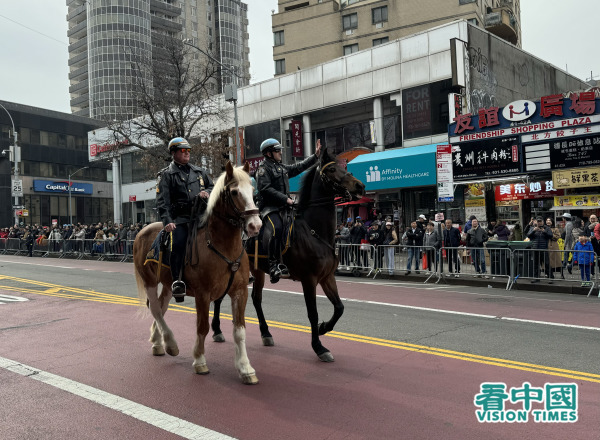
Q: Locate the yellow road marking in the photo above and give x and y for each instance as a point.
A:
(48, 289)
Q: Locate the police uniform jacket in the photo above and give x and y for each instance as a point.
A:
(272, 179)
(177, 187)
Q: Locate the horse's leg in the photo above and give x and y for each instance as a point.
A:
(257, 288)
(329, 286)
(310, 298)
(202, 308)
(216, 321)
(242, 363)
(158, 308)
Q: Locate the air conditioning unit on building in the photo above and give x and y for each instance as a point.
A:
(349, 31)
(379, 26)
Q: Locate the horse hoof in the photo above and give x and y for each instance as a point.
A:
(268, 341)
(219, 338)
(172, 351)
(326, 357)
(158, 350)
(249, 379)
(201, 369)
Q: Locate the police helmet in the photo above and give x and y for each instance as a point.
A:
(178, 143)
(270, 145)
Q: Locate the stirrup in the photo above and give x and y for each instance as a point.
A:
(283, 270)
(274, 273)
(178, 289)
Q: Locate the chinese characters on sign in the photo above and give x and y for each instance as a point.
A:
(554, 402)
(445, 182)
(297, 147)
(494, 157)
(254, 163)
(525, 191)
(579, 178)
(582, 151)
(592, 200)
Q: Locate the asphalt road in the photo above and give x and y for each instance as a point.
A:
(409, 359)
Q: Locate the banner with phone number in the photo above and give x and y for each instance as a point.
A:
(592, 200)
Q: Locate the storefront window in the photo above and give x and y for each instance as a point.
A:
(425, 109)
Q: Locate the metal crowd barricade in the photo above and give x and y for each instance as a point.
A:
(476, 262)
(111, 250)
(3, 245)
(55, 248)
(537, 265)
(358, 258)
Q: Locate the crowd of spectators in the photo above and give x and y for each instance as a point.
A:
(556, 248)
(96, 238)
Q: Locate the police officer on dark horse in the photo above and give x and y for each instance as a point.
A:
(311, 255)
(178, 186)
(272, 180)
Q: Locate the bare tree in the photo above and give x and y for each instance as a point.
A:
(174, 92)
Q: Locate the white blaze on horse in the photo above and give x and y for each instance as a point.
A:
(219, 265)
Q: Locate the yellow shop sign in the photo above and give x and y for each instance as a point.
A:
(576, 178)
(578, 201)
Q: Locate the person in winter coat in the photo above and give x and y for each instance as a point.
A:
(517, 233)
(469, 224)
(55, 239)
(498, 229)
(553, 249)
(569, 242)
(451, 240)
(540, 234)
(342, 236)
(476, 237)
(131, 234)
(376, 237)
(390, 240)
(583, 255)
(357, 234)
(414, 239)
(432, 243)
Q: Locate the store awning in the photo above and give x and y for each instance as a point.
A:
(356, 202)
(397, 168)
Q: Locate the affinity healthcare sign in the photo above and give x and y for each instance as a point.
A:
(398, 168)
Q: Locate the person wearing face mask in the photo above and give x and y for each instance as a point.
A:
(540, 234)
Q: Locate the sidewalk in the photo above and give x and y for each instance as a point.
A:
(558, 285)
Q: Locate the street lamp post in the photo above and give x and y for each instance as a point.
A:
(70, 211)
(16, 159)
(230, 96)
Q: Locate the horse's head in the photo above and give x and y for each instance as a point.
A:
(236, 194)
(340, 181)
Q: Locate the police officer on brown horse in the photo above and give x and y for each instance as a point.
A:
(178, 185)
(272, 179)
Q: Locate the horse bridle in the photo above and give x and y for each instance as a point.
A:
(337, 187)
(239, 217)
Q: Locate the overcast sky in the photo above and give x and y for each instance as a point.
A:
(34, 45)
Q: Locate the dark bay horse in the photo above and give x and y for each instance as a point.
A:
(311, 257)
(221, 267)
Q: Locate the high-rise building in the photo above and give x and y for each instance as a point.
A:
(107, 36)
(307, 33)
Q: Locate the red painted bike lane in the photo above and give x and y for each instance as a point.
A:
(369, 392)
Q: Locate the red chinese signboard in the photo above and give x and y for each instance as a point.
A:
(526, 191)
(297, 147)
(254, 163)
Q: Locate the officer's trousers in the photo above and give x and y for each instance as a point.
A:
(180, 234)
(274, 222)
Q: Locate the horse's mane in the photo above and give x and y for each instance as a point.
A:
(239, 176)
(306, 188)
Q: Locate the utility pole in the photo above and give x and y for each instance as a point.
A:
(17, 185)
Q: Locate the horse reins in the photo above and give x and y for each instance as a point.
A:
(338, 188)
(238, 221)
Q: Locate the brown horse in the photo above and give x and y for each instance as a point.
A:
(222, 268)
(311, 257)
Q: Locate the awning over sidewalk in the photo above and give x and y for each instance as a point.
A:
(397, 168)
(357, 202)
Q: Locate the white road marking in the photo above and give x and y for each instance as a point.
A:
(11, 298)
(140, 412)
(451, 312)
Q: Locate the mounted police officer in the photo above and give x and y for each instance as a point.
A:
(272, 179)
(178, 185)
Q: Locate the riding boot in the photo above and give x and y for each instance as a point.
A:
(277, 269)
(178, 286)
